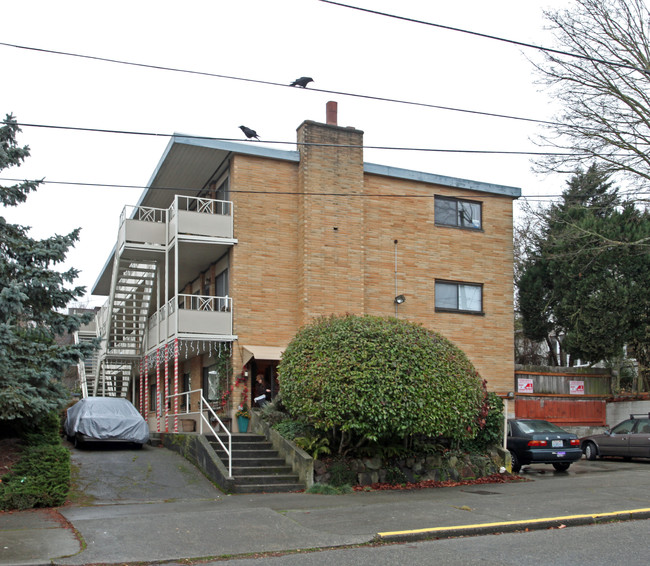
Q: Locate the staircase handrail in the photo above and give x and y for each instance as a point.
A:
(201, 412)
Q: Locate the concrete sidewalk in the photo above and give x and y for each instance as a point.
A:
(160, 517)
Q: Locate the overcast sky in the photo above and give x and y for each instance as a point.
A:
(277, 41)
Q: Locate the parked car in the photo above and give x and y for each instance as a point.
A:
(532, 441)
(105, 419)
(629, 439)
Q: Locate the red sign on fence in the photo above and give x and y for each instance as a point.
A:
(577, 387)
(524, 385)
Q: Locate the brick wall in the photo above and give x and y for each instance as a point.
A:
(301, 255)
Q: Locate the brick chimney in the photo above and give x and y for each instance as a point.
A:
(331, 113)
(331, 227)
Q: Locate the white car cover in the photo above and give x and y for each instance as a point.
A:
(106, 418)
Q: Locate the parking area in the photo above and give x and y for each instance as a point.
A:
(582, 467)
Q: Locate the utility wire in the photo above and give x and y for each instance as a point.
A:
(240, 191)
(311, 144)
(271, 83)
(493, 37)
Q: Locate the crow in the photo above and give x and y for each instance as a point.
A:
(249, 133)
(302, 81)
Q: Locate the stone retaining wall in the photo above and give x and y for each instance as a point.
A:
(437, 467)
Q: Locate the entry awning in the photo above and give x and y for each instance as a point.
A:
(261, 353)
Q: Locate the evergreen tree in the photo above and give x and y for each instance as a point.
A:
(587, 275)
(33, 298)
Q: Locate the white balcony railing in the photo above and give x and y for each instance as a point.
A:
(197, 315)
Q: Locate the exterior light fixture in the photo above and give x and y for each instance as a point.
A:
(400, 299)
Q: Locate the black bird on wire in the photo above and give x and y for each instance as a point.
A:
(302, 82)
(249, 133)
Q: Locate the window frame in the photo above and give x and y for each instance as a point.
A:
(457, 223)
(458, 285)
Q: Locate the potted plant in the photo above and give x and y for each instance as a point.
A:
(243, 415)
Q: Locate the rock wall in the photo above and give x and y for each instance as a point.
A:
(436, 467)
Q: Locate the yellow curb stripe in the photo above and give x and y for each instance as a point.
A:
(508, 523)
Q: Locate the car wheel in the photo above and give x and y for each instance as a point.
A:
(590, 451)
(561, 466)
(77, 442)
(516, 464)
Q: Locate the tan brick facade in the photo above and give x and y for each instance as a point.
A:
(319, 238)
(318, 232)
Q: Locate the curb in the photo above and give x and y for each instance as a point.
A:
(511, 526)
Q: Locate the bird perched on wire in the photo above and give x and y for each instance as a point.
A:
(249, 133)
(302, 81)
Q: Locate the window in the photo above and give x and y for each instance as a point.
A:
(462, 297)
(206, 284)
(186, 387)
(152, 397)
(221, 290)
(214, 384)
(222, 195)
(460, 213)
(221, 284)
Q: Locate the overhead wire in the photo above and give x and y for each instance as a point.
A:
(272, 83)
(262, 192)
(493, 37)
(276, 142)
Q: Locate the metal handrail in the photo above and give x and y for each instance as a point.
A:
(202, 418)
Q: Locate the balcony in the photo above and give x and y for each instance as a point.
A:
(200, 217)
(193, 317)
(142, 227)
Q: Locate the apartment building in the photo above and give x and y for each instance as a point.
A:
(234, 246)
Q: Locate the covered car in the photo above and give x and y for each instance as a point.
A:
(105, 419)
(628, 439)
(534, 441)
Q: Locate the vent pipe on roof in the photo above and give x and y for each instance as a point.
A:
(331, 113)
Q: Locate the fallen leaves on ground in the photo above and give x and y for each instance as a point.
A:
(429, 484)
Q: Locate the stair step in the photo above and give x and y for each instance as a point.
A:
(282, 470)
(266, 479)
(257, 462)
(263, 488)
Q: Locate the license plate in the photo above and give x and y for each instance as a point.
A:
(557, 444)
(560, 454)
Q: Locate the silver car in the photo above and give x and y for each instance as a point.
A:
(629, 439)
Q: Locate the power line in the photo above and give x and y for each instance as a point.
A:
(311, 144)
(493, 37)
(623, 193)
(271, 83)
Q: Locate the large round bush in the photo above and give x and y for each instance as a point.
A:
(377, 377)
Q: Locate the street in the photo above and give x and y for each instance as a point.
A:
(594, 545)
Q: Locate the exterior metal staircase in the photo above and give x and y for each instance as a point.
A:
(256, 466)
(125, 325)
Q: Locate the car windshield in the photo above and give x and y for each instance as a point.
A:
(538, 426)
(624, 427)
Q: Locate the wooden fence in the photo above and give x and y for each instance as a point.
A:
(569, 396)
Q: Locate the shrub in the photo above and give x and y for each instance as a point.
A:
(41, 478)
(291, 429)
(367, 378)
(341, 474)
(492, 433)
(327, 489)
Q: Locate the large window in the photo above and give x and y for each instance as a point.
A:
(461, 297)
(459, 213)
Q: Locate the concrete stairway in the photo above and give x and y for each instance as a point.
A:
(256, 466)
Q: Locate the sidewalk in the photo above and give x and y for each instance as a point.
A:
(127, 530)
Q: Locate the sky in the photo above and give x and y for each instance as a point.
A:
(344, 50)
